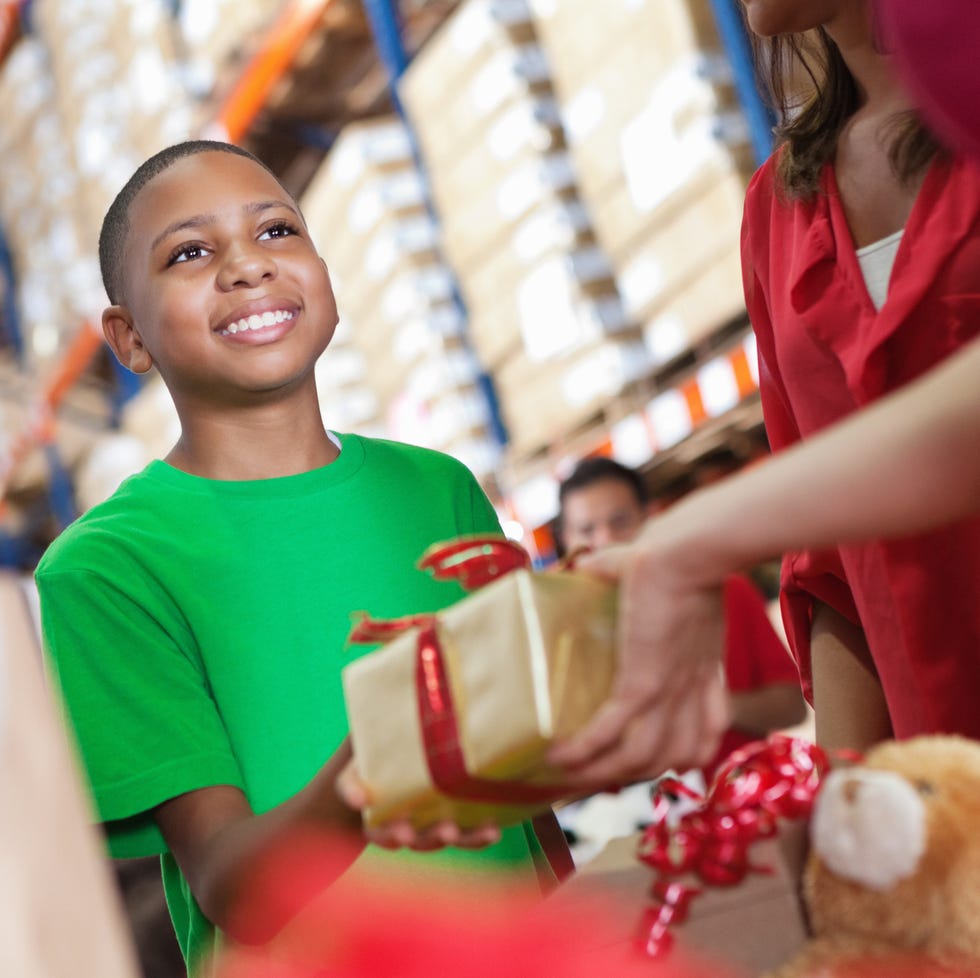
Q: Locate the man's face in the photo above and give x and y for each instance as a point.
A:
(223, 283)
(600, 514)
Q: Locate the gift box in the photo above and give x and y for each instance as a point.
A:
(452, 718)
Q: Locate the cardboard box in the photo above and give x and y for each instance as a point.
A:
(528, 130)
(580, 37)
(367, 186)
(471, 36)
(62, 914)
(677, 250)
(711, 301)
(542, 403)
(559, 302)
(756, 925)
(490, 287)
(474, 227)
(446, 126)
(621, 223)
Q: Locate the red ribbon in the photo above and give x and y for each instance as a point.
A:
(440, 737)
(368, 631)
(756, 786)
(473, 562)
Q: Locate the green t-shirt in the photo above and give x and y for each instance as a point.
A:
(198, 629)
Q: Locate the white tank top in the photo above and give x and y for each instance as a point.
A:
(876, 262)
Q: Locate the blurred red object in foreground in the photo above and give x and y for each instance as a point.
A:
(310, 926)
(935, 47)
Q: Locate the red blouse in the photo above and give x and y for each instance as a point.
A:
(754, 657)
(824, 351)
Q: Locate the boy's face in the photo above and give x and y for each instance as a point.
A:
(224, 289)
(600, 514)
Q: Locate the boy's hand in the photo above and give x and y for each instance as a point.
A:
(401, 834)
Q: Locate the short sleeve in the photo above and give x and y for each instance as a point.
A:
(139, 703)
(480, 514)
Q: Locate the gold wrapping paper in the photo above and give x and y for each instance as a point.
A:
(529, 659)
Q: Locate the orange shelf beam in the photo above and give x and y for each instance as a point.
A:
(268, 66)
(87, 342)
(10, 28)
(40, 426)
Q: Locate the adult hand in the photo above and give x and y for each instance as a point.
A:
(401, 834)
(668, 707)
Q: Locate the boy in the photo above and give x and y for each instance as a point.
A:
(197, 619)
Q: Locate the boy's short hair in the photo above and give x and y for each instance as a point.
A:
(600, 468)
(115, 226)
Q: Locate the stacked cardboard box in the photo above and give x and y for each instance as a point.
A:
(368, 210)
(57, 276)
(540, 293)
(661, 153)
(118, 90)
(347, 402)
(215, 35)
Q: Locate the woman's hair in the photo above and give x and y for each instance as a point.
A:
(814, 94)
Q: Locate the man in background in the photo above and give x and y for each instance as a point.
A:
(602, 503)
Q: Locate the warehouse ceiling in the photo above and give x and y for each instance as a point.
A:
(337, 77)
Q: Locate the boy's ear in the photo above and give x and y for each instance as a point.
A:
(124, 340)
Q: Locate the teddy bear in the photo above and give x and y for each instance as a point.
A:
(892, 882)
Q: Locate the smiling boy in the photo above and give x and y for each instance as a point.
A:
(197, 619)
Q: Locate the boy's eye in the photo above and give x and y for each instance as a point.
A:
(282, 229)
(186, 252)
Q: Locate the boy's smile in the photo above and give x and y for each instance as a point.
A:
(224, 290)
(255, 323)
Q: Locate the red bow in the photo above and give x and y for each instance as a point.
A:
(756, 786)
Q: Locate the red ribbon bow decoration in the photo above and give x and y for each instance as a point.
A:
(473, 561)
(758, 784)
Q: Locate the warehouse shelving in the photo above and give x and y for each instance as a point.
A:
(323, 62)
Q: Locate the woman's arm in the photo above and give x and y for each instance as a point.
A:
(850, 711)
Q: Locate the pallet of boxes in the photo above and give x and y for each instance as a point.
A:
(545, 317)
(402, 360)
(661, 152)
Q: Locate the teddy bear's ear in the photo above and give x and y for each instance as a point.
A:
(852, 808)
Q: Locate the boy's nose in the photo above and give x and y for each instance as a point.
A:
(246, 267)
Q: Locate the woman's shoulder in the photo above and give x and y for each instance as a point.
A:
(766, 190)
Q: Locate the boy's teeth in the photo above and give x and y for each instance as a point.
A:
(258, 321)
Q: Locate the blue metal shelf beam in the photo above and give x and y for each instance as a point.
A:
(386, 28)
(9, 318)
(731, 28)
